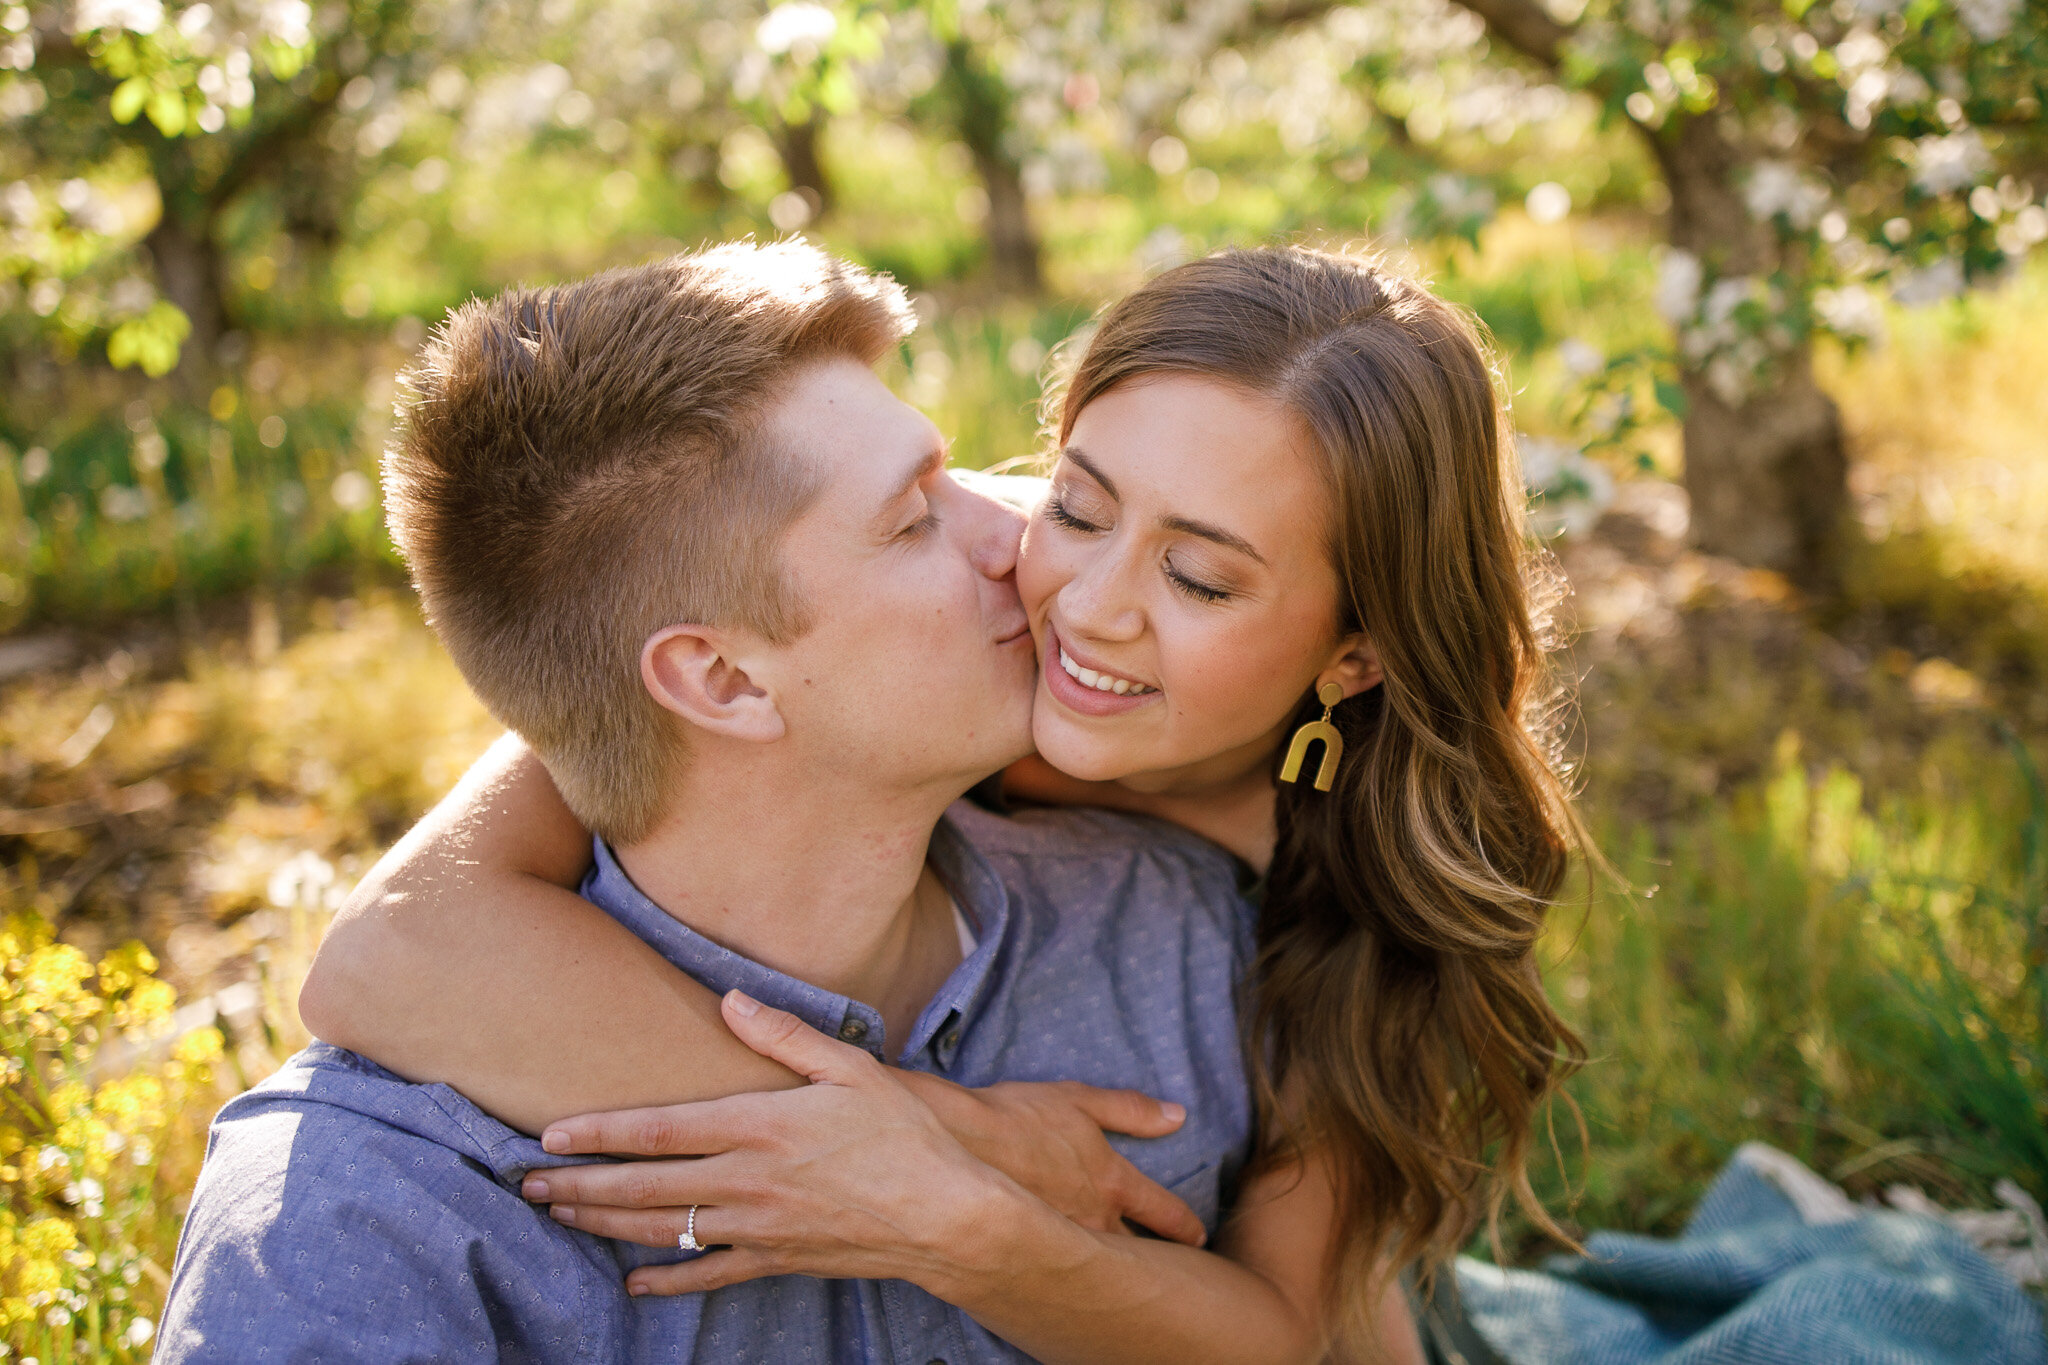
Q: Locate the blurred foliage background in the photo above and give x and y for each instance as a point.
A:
(1763, 276)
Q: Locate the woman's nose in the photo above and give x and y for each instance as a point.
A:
(1094, 602)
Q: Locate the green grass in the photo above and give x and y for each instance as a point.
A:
(1831, 822)
(1851, 976)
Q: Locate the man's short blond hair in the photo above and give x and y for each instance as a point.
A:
(580, 466)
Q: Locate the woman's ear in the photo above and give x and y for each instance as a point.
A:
(687, 670)
(1356, 667)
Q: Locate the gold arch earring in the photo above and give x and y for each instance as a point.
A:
(1329, 694)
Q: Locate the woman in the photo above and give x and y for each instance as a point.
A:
(1281, 494)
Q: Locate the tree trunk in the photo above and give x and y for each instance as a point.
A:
(1769, 479)
(1768, 475)
(981, 117)
(189, 272)
(798, 144)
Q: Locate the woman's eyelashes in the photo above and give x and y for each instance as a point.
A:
(1194, 587)
(1060, 514)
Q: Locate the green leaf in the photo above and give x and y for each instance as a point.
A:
(129, 97)
(837, 91)
(1671, 397)
(151, 341)
(285, 62)
(167, 111)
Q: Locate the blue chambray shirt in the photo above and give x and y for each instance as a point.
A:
(346, 1215)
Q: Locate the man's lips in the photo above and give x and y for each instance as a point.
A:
(1022, 629)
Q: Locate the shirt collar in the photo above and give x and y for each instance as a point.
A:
(967, 875)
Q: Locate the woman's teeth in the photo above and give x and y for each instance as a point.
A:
(1101, 682)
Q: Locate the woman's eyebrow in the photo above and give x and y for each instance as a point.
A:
(1090, 468)
(1186, 526)
(1216, 534)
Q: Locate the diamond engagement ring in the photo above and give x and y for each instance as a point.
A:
(687, 1239)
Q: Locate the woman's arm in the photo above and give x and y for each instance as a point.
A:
(854, 1177)
(463, 957)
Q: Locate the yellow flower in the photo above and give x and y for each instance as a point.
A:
(48, 1238)
(52, 984)
(124, 967)
(147, 1004)
(198, 1048)
(132, 1104)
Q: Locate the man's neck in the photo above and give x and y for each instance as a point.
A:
(828, 886)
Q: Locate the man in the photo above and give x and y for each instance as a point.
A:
(681, 539)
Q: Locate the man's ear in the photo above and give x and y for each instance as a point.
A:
(687, 670)
(1356, 667)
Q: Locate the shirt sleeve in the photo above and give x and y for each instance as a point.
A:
(317, 1234)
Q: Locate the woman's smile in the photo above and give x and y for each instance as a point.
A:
(1075, 682)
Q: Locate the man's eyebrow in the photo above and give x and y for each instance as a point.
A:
(924, 470)
(1090, 468)
(1228, 539)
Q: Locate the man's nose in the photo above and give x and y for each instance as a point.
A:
(996, 530)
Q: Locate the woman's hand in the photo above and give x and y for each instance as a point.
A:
(854, 1175)
(1048, 1137)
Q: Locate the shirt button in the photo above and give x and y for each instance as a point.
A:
(854, 1029)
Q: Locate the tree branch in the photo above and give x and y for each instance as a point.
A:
(1524, 26)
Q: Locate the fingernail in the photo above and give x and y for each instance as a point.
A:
(743, 1004)
(636, 1290)
(561, 1213)
(535, 1189)
(553, 1141)
(1171, 1112)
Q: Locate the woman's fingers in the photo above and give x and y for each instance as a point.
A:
(703, 1273)
(782, 1037)
(649, 1227)
(1150, 1205)
(1130, 1112)
(634, 1184)
(671, 1130)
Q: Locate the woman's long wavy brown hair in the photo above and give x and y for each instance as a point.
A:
(1398, 1025)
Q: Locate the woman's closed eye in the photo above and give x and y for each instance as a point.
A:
(1195, 587)
(1060, 513)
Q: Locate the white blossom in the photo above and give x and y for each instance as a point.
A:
(1567, 492)
(288, 21)
(1777, 187)
(791, 24)
(1930, 284)
(1942, 165)
(1548, 202)
(1678, 285)
(1851, 311)
(119, 502)
(1580, 357)
(136, 16)
(1988, 20)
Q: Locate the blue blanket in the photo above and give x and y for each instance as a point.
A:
(1770, 1271)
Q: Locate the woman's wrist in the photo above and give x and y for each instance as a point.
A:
(997, 1235)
